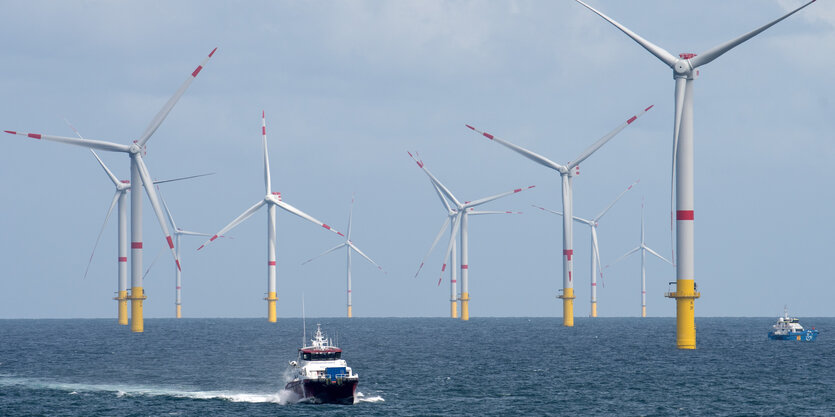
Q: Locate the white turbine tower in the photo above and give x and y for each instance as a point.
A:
(271, 200)
(685, 70)
(178, 278)
(644, 249)
(139, 176)
(120, 197)
(459, 225)
(350, 246)
(567, 174)
(595, 250)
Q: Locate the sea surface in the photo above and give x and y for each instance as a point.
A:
(417, 366)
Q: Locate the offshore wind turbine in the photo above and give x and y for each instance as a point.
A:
(644, 249)
(178, 277)
(140, 176)
(120, 197)
(566, 174)
(459, 225)
(595, 250)
(271, 200)
(685, 70)
(350, 246)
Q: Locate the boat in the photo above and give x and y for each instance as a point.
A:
(789, 328)
(321, 375)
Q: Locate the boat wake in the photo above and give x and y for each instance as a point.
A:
(361, 398)
(281, 397)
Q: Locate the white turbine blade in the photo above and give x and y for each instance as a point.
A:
(325, 252)
(654, 49)
(539, 159)
(303, 215)
(680, 93)
(596, 253)
(354, 247)
(602, 141)
(106, 217)
(431, 248)
(190, 233)
(87, 143)
(183, 178)
(163, 113)
(167, 211)
(159, 252)
(350, 217)
(495, 197)
(154, 199)
(476, 213)
(624, 256)
(106, 170)
(267, 182)
(441, 196)
(559, 213)
(599, 216)
(448, 251)
(718, 50)
(659, 256)
(435, 181)
(238, 220)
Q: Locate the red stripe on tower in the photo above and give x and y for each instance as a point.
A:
(685, 215)
(568, 253)
(465, 267)
(136, 245)
(272, 263)
(123, 259)
(593, 284)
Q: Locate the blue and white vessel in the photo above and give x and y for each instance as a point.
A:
(789, 328)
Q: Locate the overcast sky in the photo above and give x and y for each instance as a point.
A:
(349, 87)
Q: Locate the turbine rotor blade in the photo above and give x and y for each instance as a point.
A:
(435, 181)
(559, 213)
(354, 247)
(238, 220)
(183, 178)
(434, 242)
(326, 252)
(656, 254)
(267, 182)
(87, 143)
(602, 141)
(624, 256)
(602, 213)
(106, 170)
(654, 49)
(680, 93)
(718, 50)
(106, 218)
(448, 251)
(163, 113)
(303, 215)
(533, 156)
(154, 199)
(495, 197)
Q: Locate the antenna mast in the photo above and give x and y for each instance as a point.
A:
(304, 328)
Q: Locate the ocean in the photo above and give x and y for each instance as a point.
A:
(417, 366)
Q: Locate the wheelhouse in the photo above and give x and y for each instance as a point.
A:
(329, 354)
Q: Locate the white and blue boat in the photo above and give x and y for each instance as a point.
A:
(789, 328)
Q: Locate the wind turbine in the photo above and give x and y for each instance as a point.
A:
(595, 250)
(459, 225)
(644, 249)
(567, 174)
(685, 70)
(271, 200)
(349, 245)
(139, 176)
(178, 279)
(120, 197)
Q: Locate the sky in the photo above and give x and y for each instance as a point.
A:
(349, 87)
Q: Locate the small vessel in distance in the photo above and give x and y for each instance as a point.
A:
(789, 328)
(322, 376)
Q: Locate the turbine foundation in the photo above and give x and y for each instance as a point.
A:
(123, 307)
(594, 309)
(179, 311)
(567, 307)
(453, 309)
(685, 296)
(137, 322)
(271, 299)
(465, 306)
(349, 312)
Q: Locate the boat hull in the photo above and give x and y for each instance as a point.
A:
(806, 336)
(320, 391)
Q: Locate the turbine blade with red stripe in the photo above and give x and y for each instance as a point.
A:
(238, 220)
(163, 113)
(106, 217)
(495, 197)
(434, 242)
(326, 252)
(154, 199)
(302, 214)
(87, 143)
(354, 247)
(602, 141)
(533, 156)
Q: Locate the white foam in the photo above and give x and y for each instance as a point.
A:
(361, 398)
